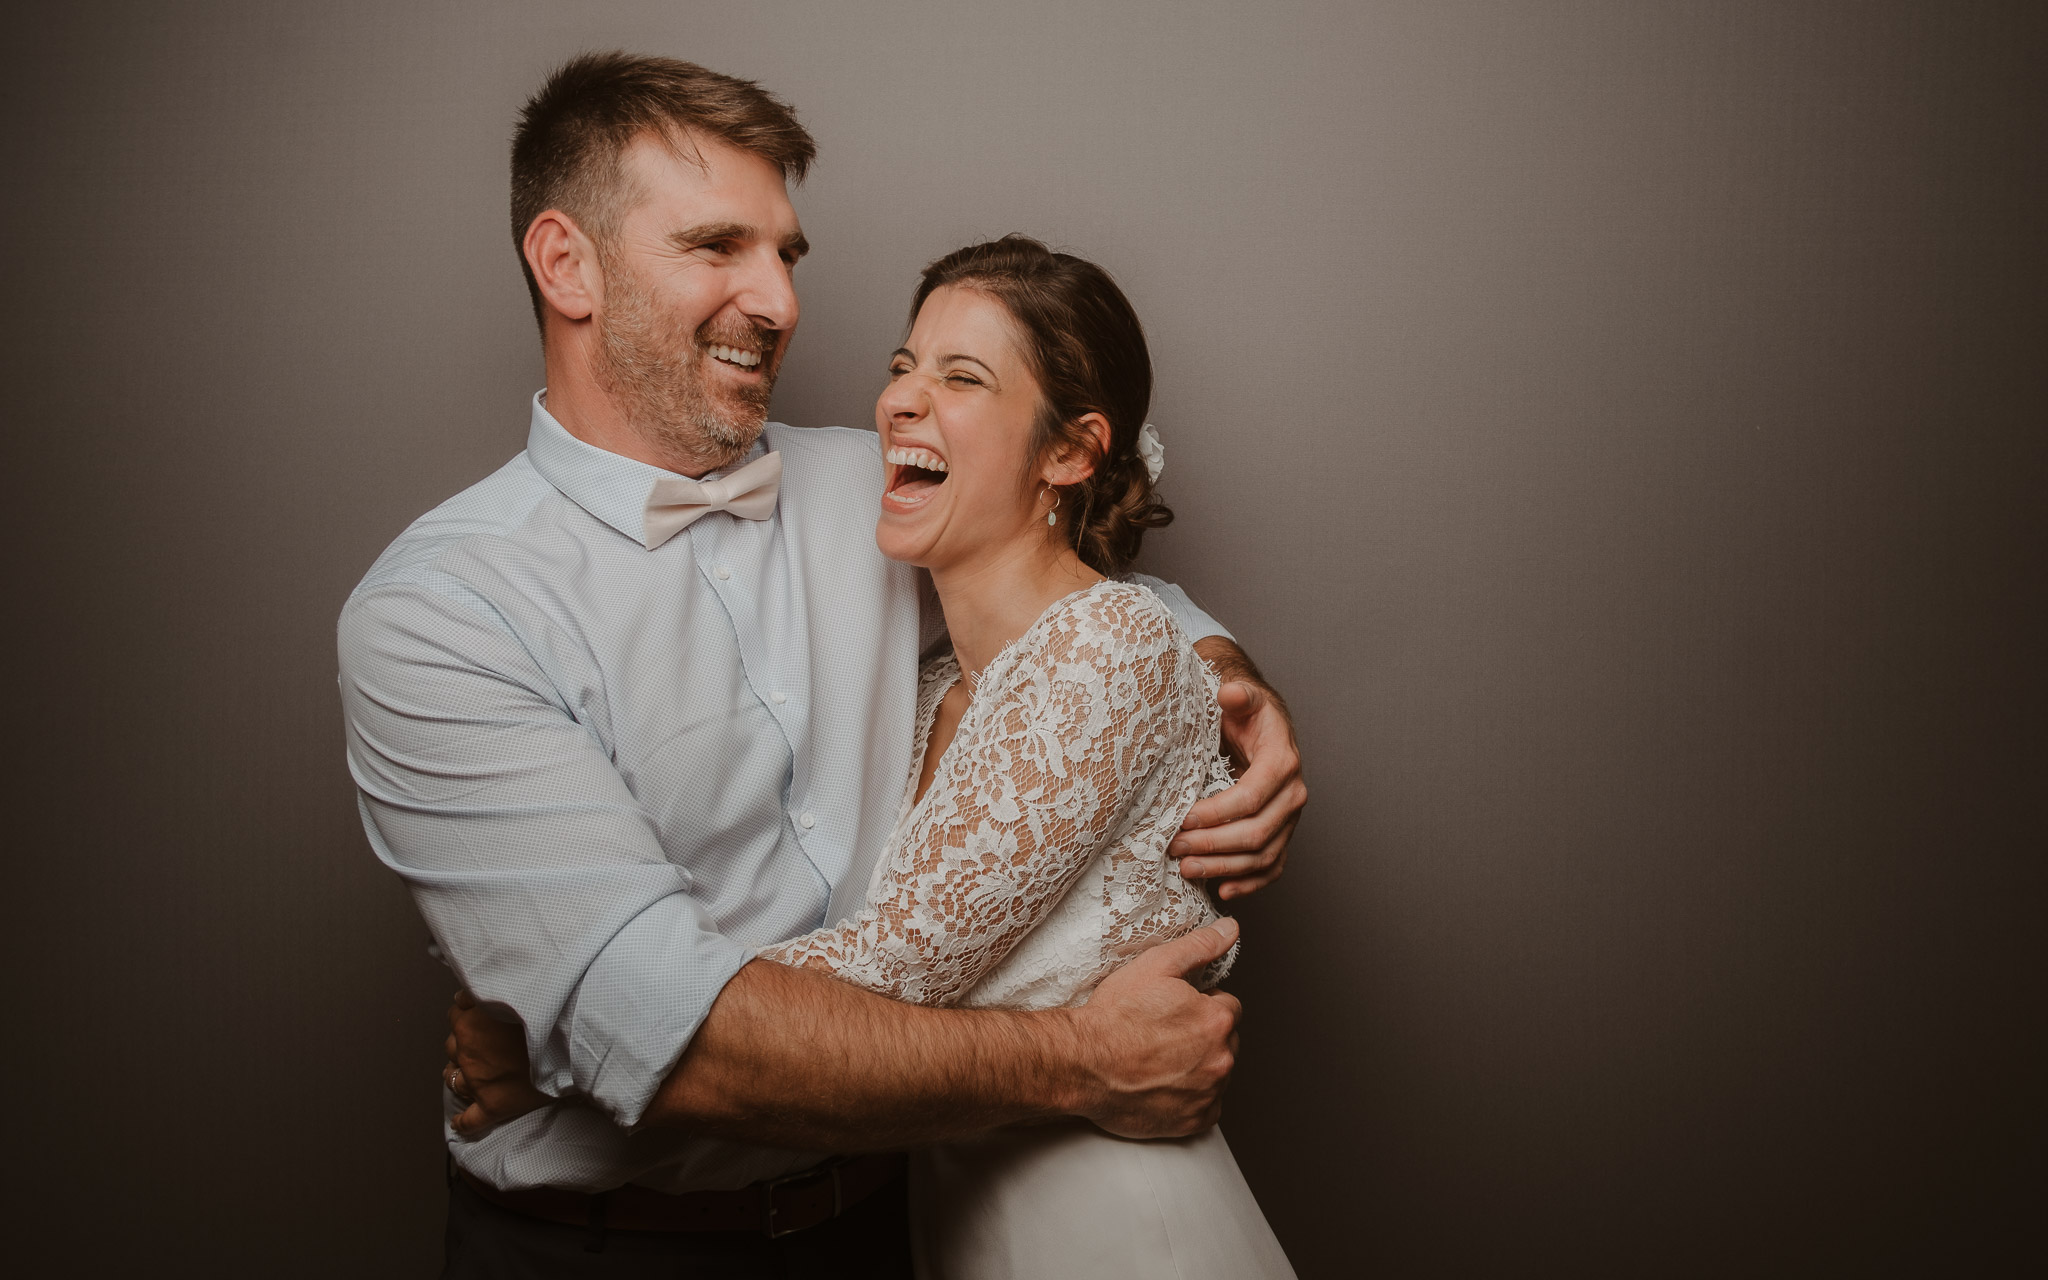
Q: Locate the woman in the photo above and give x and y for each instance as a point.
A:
(1062, 741)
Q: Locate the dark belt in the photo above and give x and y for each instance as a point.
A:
(775, 1207)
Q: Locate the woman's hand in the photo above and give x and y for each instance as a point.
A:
(487, 1068)
(1239, 837)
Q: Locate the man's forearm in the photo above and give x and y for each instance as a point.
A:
(793, 1058)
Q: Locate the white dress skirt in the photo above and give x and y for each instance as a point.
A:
(1068, 1201)
(1032, 867)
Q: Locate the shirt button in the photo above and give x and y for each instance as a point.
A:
(806, 820)
(724, 573)
(777, 698)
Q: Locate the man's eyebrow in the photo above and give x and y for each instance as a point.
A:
(704, 232)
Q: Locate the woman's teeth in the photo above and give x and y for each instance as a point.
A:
(923, 459)
(919, 473)
(733, 355)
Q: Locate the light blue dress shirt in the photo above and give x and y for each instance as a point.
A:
(609, 774)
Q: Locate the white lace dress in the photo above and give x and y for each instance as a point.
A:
(1034, 864)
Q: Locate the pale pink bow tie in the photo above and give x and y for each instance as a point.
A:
(675, 502)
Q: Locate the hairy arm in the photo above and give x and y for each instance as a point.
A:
(800, 1059)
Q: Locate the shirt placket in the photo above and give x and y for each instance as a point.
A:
(737, 560)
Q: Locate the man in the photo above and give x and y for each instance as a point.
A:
(618, 729)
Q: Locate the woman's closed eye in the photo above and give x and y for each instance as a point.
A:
(952, 379)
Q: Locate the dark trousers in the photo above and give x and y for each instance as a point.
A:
(870, 1241)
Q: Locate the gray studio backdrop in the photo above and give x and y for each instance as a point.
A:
(1617, 426)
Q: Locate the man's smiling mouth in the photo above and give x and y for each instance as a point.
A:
(918, 475)
(738, 357)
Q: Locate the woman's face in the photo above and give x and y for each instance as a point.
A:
(956, 423)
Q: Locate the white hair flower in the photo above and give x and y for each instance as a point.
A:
(1153, 452)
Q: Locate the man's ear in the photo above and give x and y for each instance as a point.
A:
(564, 264)
(1071, 464)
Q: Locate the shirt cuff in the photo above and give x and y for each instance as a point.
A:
(641, 1001)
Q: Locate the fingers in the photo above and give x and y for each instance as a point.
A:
(1264, 835)
(1231, 890)
(1218, 864)
(1270, 785)
(1237, 866)
(1235, 875)
(470, 1122)
(453, 1082)
(1190, 952)
(1246, 705)
(1233, 1006)
(459, 1004)
(1239, 699)
(1255, 790)
(1239, 886)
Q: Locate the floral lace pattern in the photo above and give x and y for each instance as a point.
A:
(1035, 863)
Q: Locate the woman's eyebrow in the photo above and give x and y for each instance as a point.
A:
(905, 352)
(957, 356)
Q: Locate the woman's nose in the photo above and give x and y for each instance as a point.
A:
(903, 400)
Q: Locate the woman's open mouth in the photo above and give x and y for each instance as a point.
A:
(917, 476)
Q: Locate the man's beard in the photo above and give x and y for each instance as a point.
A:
(652, 366)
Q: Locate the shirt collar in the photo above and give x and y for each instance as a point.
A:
(610, 486)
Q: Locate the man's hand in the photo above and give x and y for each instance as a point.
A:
(487, 1068)
(1156, 1052)
(1239, 837)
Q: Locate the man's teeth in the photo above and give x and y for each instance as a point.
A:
(733, 355)
(920, 458)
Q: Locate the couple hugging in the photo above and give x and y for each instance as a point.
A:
(789, 799)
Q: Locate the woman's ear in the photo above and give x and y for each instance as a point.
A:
(564, 265)
(1073, 463)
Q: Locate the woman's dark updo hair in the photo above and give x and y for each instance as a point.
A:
(1088, 352)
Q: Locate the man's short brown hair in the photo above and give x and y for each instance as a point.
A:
(568, 151)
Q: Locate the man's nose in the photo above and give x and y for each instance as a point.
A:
(768, 295)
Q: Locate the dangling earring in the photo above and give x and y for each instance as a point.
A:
(1050, 517)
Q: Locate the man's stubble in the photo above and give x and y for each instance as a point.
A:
(651, 364)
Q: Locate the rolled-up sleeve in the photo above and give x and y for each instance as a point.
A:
(540, 875)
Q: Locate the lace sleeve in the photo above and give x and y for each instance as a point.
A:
(1036, 785)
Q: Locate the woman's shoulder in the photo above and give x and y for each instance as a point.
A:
(1125, 619)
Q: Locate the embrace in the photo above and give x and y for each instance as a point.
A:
(822, 823)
